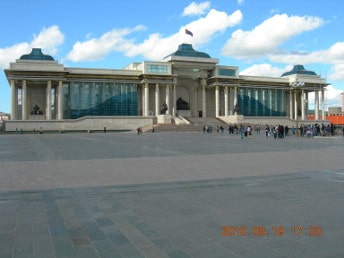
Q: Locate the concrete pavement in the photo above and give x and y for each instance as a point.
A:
(170, 195)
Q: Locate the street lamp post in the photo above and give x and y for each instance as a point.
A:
(296, 85)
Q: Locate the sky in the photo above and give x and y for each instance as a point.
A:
(262, 38)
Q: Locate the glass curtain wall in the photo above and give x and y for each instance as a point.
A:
(261, 102)
(99, 99)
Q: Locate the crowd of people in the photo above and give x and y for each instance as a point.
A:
(303, 130)
(280, 131)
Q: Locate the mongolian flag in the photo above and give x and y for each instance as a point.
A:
(188, 32)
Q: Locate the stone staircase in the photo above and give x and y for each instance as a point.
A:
(175, 128)
(204, 121)
(196, 124)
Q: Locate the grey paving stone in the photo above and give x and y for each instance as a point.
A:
(170, 194)
(103, 221)
(63, 246)
(118, 239)
(93, 231)
(6, 249)
(178, 254)
(86, 252)
(23, 247)
(128, 250)
(111, 229)
(57, 229)
(7, 237)
(164, 244)
(43, 247)
(106, 249)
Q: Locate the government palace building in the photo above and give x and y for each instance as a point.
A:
(183, 87)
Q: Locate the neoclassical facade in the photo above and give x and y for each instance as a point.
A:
(185, 83)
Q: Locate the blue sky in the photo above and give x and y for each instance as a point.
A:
(265, 37)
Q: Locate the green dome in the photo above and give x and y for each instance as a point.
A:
(299, 69)
(36, 54)
(188, 51)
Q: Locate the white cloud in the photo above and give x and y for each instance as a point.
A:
(334, 55)
(48, 39)
(155, 46)
(333, 94)
(268, 36)
(203, 29)
(96, 48)
(196, 9)
(240, 2)
(215, 21)
(10, 54)
(265, 70)
(338, 72)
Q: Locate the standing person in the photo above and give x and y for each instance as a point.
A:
(242, 131)
(267, 129)
(258, 129)
(249, 131)
(104, 130)
(275, 131)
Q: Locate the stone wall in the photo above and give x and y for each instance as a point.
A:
(82, 124)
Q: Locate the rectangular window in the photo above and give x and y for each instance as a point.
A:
(227, 72)
(163, 69)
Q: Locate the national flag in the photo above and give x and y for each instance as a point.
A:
(188, 32)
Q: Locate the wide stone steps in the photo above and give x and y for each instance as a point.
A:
(175, 128)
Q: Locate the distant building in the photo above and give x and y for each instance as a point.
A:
(334, 110)
(4, 116)
(185, 83)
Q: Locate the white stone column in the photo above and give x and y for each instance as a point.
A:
(157, 99)
(295, 105)
(24, 100)
(302, 105)
(226, 100)
(174, 108)
(316, 105)
(59, 101)
(235, 100)
(142, 99)
(307, 103)
(146, 99)
(291, 115)
(323, 105)
(48, 101)
(167, 99)
(231, 101)
(204, 99)
(14, 100)
(217, 101)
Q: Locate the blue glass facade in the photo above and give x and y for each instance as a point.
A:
(99, 99)
(261, 102)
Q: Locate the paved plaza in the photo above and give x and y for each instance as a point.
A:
(170, 194)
